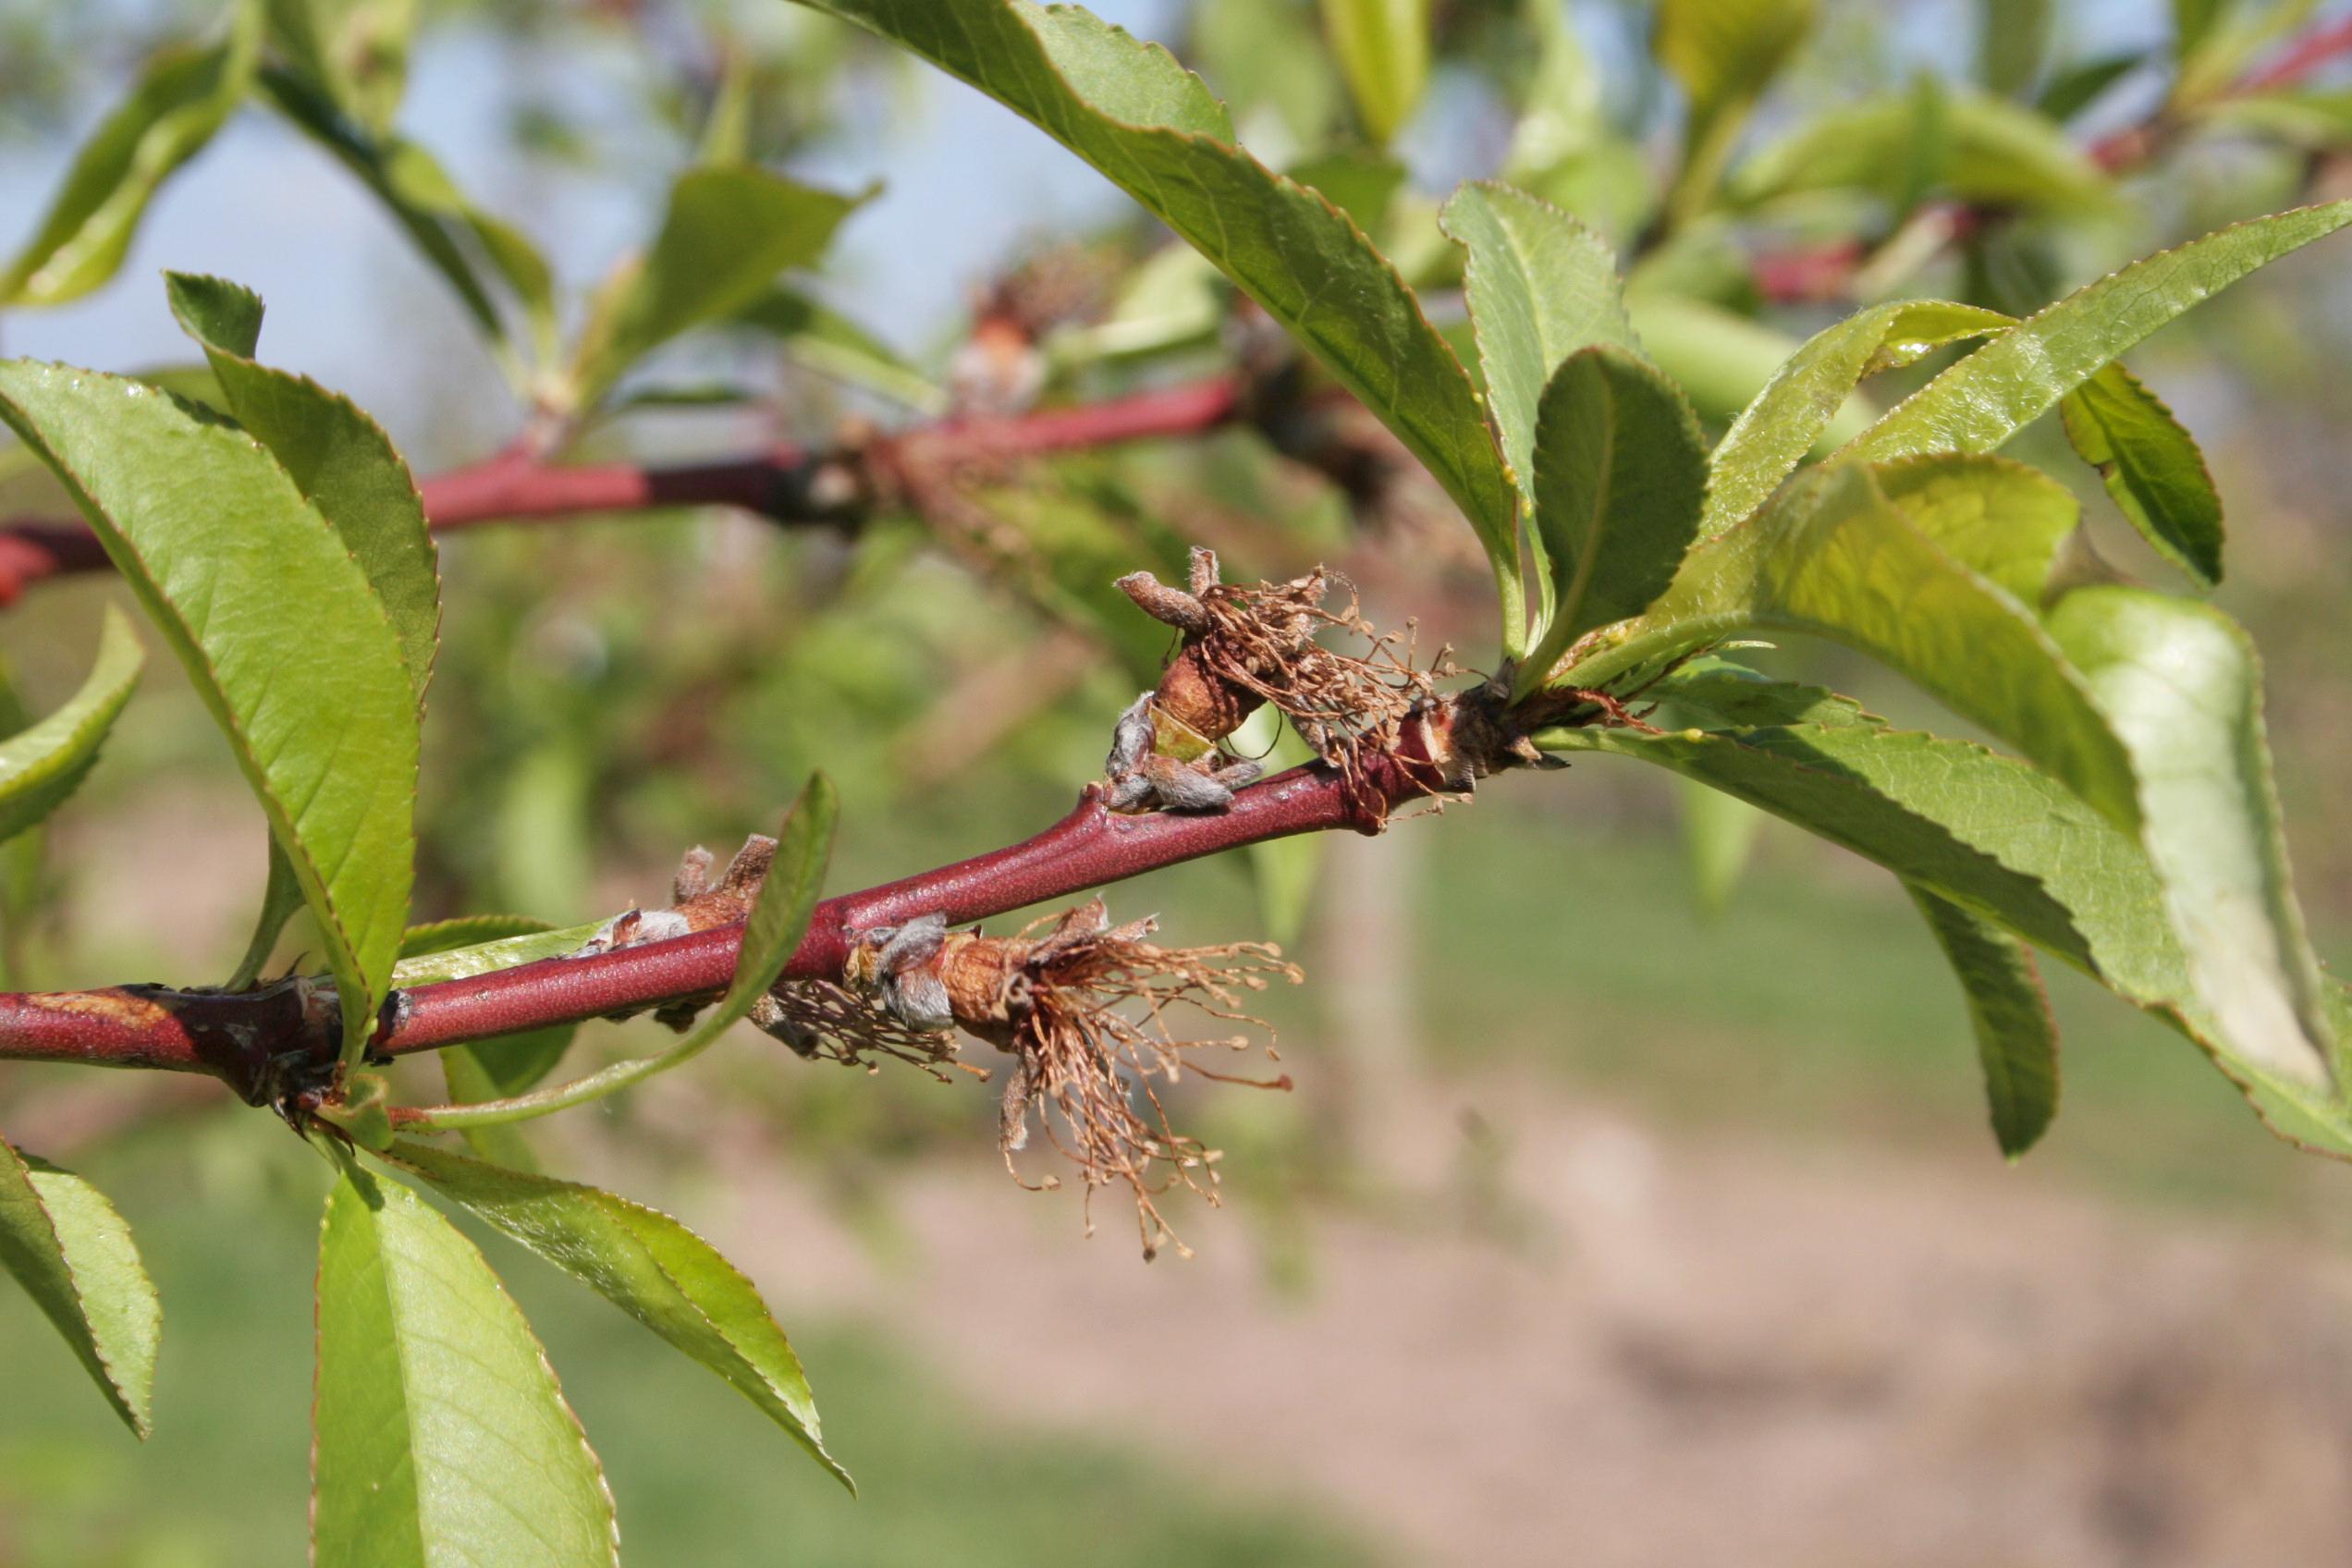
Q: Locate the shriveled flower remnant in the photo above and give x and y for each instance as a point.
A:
(1246, 645)
(1093, 1016)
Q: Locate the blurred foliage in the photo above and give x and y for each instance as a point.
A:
(612, 692)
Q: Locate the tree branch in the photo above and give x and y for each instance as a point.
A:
(832, 487)
(261, 1041)
(1804, 274)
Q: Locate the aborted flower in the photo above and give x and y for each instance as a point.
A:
(1248, 645)
(1088, 1012)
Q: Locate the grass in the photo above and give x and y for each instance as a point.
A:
(701, 1479)
(1817, 1006)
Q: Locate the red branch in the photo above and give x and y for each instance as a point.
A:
(786, 484)
(251, 1039)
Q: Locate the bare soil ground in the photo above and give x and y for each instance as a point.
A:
(1714, 1352)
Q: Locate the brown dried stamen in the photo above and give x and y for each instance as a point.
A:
(1087, 1010)
(1248, 645)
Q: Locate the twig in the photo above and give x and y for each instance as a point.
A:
(261, 1042)
(833, 487)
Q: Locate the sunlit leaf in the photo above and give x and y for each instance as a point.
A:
(72, 1252)
(338, 457)
(1150, 127)
(1540, 286)
(650, 1267)
(2180, 684)
(441, 1436)
(459, 950)
(1981, 403)
(1788, 417)
(44, 763)
(1990, 833)
(280, 633)
(2016, 1035)
(180, 101)
(1918, 586)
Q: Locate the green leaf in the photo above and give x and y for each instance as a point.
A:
(2013, 39)
(2317, 120)
(1562, 117)
(1283, 872)
(469, 1082)
(280, 633)
(2180, 684)
(73, 1254)
(1983, 401)
(338, 458)
(1383, 49)
(41, 765)
(181, 98)
(1980, 149)
(830, 344)
(2016, 1035)
(730, 229)
(1362, 183)
(442, 1439)
(1719, 839)
(1917, 583)
(281, 900)
(470, 931)
(1721, 358)
(779, 920)
(459, 950)
(511, 1064)
(650, 1267)
(1153, 130)
(2076, 88)
(1540, 286)
(1788, 417)
(2151, 467)
(355, 50)
(1725, 52)
(2193, 22)
(1621, 470)
(455, 237)
(1990, 833)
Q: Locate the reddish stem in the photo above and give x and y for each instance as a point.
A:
(32, 551)
(2302, 58)
(248, 1039)
(786, 484)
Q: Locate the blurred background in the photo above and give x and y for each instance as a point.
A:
(1635, 1203)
